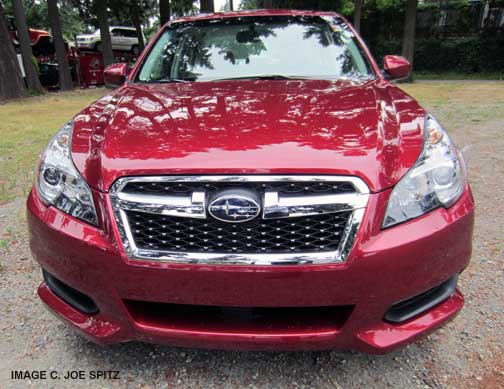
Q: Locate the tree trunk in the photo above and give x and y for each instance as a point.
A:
(12, 85)
(231, 6)
(206, 6)
(164, 11)
(408, 47)
(65, 78)
(106, 43)
(357, 14)
(135, 15)
(26, 51)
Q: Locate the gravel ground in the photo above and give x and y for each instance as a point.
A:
(466, 353)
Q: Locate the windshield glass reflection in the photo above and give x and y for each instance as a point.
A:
(256, 47)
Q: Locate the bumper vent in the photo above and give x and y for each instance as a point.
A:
(416, 305)
(69, 295)
(239, 320)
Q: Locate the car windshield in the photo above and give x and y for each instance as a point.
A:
(256, 47)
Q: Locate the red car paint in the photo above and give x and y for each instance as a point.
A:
(373, 131)
(34, 35)
(396, 66)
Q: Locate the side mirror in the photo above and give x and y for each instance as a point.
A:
(396, 67)
(115, 74)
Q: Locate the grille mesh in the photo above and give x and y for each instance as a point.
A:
(317, 233)
(283, 188)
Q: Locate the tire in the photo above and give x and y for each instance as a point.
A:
(98, 46)
(135, 50)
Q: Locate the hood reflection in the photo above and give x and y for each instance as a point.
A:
(247, 126)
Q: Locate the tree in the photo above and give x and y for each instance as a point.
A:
(12, 85)
(164, 11)
(136, 19)
(71, 21)
(206, 6)
(136, 12)
(357, 14)
(65, 78)
(248, 4)
(32, 79)
(106, 42)
(86, 10)
(408, 47)
(183, 7)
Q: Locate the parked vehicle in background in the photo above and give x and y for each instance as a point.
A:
(123, 38)
(41, 40)
(44, 53)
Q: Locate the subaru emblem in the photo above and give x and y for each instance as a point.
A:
(234, 206)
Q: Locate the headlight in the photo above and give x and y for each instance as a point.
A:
(436, 180)
(59, 183)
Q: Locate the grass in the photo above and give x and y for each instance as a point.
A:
(458, 76)
(26, 125)
(457, 103)
(25, 128)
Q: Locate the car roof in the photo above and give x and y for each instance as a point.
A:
(255, 12)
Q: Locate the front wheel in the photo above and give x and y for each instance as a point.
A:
(135, 49)
(98, 47)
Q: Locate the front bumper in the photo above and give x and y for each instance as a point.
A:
(383, 268)
(85, 45)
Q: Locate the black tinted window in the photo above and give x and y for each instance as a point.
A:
(129, 33)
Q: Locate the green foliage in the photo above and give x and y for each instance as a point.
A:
(473, 54)
(151, 30)
(343, 6)
(35, 64)
(322, 5)
(183, 7)
(122, 11)
(248, 4)
(37, 17)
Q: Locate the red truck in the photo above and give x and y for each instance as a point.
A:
(44, 52)
(255, 182)
(40, 40)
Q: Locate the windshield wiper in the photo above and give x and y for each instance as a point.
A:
(264, 77)
(167, 81)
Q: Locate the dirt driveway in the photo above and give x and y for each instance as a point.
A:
(468, 352)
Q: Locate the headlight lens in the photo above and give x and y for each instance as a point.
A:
(436, 180)
(59, 183)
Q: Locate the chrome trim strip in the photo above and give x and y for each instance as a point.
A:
(182, 206)
(359, 184)
(350, 232)
(276, 207)
(296, 204)
(240, 259)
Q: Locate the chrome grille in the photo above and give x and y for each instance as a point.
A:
(288, 235)
(304, 219)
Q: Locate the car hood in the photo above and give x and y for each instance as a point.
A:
(368, 129)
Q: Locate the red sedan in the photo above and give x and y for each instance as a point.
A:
(254, 182)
